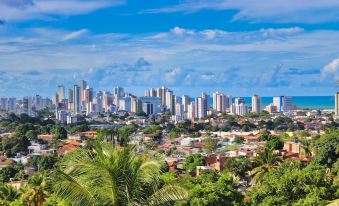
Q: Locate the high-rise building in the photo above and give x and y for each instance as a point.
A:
(83, 86)
(271, 108)
(336, 106)
(76, 99)
(239, 107)
(125, 104)
(107, 100)
(27, 105)
(228, 101)
(151, 105)
(283, 103)
(256, 104)
(88, 95)
(119, 92)
(186, 100)
(200, 108)
(179, 109)
(12, 104)
(135, 104)
(61, 92)
(206, 99)
(150, 93)
(219, 102)
(170, 101)
(4, 104)
(191, 111)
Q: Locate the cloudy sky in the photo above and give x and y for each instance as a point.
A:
(241, 47)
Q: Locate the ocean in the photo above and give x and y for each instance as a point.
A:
(303, 102)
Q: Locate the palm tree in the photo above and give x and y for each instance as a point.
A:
(36, 193)
(109, 176)
(265, 161)
(306, 145)
(8, 194)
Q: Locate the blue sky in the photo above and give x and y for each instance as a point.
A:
(241, 47)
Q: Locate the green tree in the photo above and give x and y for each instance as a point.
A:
(237, 166)
(246, 128)
(124, 134)
(59, 132)
(211, 189)
(307, 147)
(192, 161)
(36, 193)
(275, 143)
(172, 135)
(31, 135)
(265, 136)
(8, 194)
(290, 184)
(327, 149)
(7, 172)
(44, 162)
(210, 144)
(265, 162)
(238, 140)
(108, 176)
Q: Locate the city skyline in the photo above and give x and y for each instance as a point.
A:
(190, 46)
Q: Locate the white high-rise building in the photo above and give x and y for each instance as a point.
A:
(336, 106)
(179, 109)
(219, 102)
(76, 99)
(170, 101)
(191, 111)
(239, 107)
(83, 86)
(283, 103)
(125, 104)
(256, 104)
(200, 108)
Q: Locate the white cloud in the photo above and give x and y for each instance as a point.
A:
(222, 59)
(43, 9)
(300, 11)
(172, 75)
(331, 68)
(74, 35)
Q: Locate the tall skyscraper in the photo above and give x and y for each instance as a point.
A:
(83, 86)
(256, 104)
(150, 93)
(186, 100)
(206, 99)
(107, 100)
(61, 92)
(219, 102)
(76, 99)
(336, 106)
(12, 104)
(119, 92)
(170, 101)
(191, 111)
(239, 107)
(4, 104)
(200, 108)
(282, 103)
